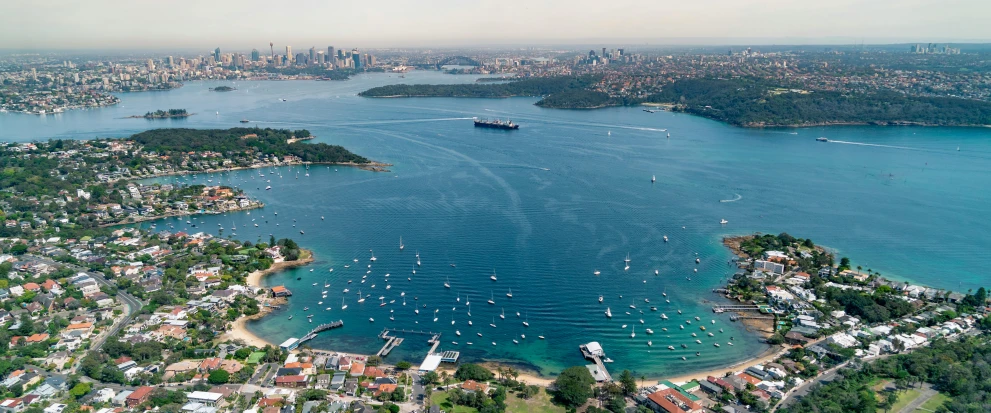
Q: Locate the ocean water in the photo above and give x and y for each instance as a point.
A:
(545, 206)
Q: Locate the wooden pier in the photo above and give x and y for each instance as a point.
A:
(597, 360)
(392, 341)
(751, 317)
(724, 308)
(322, 327)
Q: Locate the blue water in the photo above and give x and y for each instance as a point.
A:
(548, 204)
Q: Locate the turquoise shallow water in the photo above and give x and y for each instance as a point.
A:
(568, 193)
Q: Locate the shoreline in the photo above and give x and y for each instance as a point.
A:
(239, 329)
(181, 214)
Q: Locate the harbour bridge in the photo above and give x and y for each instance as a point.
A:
(460, 60)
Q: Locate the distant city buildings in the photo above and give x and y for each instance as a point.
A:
(933, 48)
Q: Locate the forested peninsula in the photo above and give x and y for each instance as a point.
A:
(740, 102)
(756, 103)
(277, 142)
(562, 92)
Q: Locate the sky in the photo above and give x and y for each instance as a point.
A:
(245, 24)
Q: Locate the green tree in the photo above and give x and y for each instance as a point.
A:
(403, 365)
(219, 376)
(470, 371)
(80, 390)
(574, 386)
(628, 382)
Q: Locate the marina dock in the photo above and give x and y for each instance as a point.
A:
(392, 341)
(322, 327)
(593, 351)
(724, 308)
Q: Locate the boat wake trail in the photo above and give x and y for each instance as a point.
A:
(366, 123)
(738, 197)
(880, 146)
(572, 123)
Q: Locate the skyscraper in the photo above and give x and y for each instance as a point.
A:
(313, 54)
(216, 54)
(255, 55)
(356, 58)
(330, 51)
(288, 54)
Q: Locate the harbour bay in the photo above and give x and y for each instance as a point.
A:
(567, 194)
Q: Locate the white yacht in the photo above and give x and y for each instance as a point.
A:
(608, 313)
(447, 284)
(503, 315)
(596, 272)
(493, 276)
(492, 300)
(633, 333)
(526, 321)
(723, 221)
(401, 246)
(510, 293)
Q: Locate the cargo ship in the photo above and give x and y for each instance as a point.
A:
(495, 124)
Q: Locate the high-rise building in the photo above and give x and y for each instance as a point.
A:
(330, 52)
(313, 54)
(255, 56)
(216, 54)
(171, 62)
(288, 54)
(356, 57)
(151, 65)
(604, 52)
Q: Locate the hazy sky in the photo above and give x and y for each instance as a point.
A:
(240, 24)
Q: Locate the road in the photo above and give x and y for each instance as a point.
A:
(927, 393)
(132, 303)
(802, 390)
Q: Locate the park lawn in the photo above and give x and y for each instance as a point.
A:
(540, 403)
(440, 398)
(933, 402)
(904, 398)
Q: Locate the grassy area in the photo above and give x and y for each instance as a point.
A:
(933, 402)
(440, 398)
(541, 403)
(904, 398)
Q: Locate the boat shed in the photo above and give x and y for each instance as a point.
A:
(289, 344)
(595, 349)
(430, 363)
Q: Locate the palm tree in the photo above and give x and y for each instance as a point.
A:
(858, 269)
(642, 379)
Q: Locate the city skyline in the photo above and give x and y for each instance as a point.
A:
(104, 24)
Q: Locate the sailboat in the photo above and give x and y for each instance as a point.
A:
(493, 323)
(510, 293)
(653, 178)
(401, 246)
(447, 284)
(361, 298)
(492, 300)
(503, 315)
(526, 321)
(633, 334)
(493, 276)
(608, 312)
(343, 305)
(627, 262)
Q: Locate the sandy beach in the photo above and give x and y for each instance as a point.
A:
(765, 357)
(239, 330)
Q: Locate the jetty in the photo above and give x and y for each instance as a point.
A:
(593, 351)
(392, 340)
(724, 308)
(322, 327)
